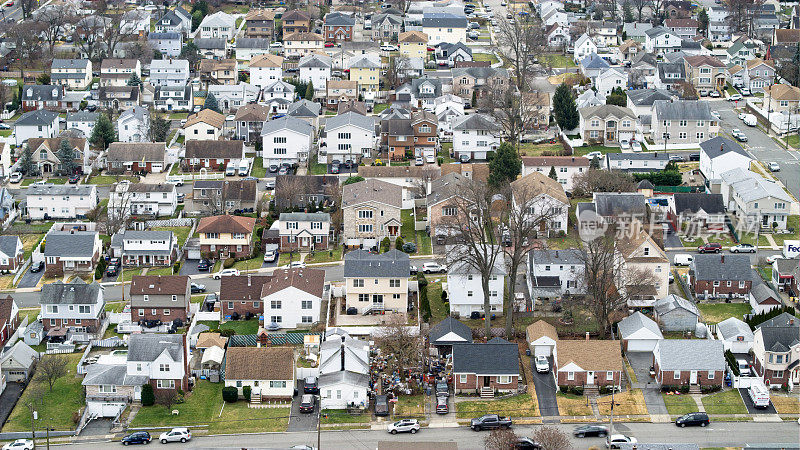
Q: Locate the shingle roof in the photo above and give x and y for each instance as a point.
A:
(207, 116)
(70, 64)
(783, 92)
(136, 151)
(703, 60)
(252, 112)
(214, 149)
(615, 203)
(447, 326)
(336, 19)
(350, 118)
(148, 347)
(159, 284)
(555, 161)
(535, 184)
(476, 122)
(315, 60)
(268, 60)
(304, 108)
(303, 37)
(590, 355)
(571, 256)
(719, 146)
(304, 217)
(691, 354)
(259, 363)
(290, 123)
(733, 327)
(594, 62)
(413, 36)
(211, 43)
(72, 293)
(604, 111)
(10, 245)
(780, 333)
(761, 293)
(444, 20)
(83, 116)
(682, 109)
(245, 287)
(372, 190)
(361, 263)
(497, 357)
(226, 224)
(78, 244)
(751, 186)
(252, 43)
(36, 118)
(672, 302)
(694, 202)
(636, 322)
(539, 329)
(310, 281)
(111, 374)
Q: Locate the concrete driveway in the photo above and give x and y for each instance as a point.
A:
(751, 409)
(29, 279)
(8, 399)
(302, 421)
(640, 363)
(545, 386)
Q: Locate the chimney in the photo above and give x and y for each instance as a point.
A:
(587, 335)
(791, 321)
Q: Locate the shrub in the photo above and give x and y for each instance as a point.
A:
(421, 280)
(176, 269)
(227, 332)
(731, 360)
(246, 393)
(386, 245)
(440, 160)
(228, 263)
(230, 394)
(684, 389)
(148, 397)
(76, 417)
(398, 243)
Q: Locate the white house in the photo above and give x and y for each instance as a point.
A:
(218, 25)
(39, 123)
(566, 167)
(349, 136)
(609, 79)
(444, 27)
(286, 140)
(584, 47)
(133, 125)
(206, 125)
(465, 290)
(474, 136)
(299, 44)
(447, 108)
(135, 22)
(177, 20)
(82, 121)
(168, 44)
(163, 359)
(232, 97)
(719, 155)
(316, 69)
(249, 48)
(138, 199)
(566, 266)
(660, 40)
(545, 200)
(542, 337)
(344, 371)
(278, 89)
(169, 72)
(265, 70)
(145, 248)
(735, 335)
(292, 297)
(56, 201)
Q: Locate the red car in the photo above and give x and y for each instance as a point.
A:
(430, 49)
(711, 247)
(329, 44)
(9, 4)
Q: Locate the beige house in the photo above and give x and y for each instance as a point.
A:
(639, 256)
(206, 125)
(301, 44)
(782, 97)
(72, 73)
(705, 73)
(480, 79)
(413, 44)
(371, 211)
(607, 124)
(682, 122)
(340, 91)
(218, 71)
(376, 282)
(443, 203)
(226, 236)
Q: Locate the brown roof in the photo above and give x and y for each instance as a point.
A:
(311, 281)
(295, 14)
(372, 190)
(260, 14)
(259, 363)
(703, 60)
(214, 149)
(424, 116)
(734, 69)
(540, 328)
(538, 183)
(634, 241)
(136, 151)
(6, 305)
(226, 224)
(413, 36)
(268, 60)
(252, 112)
(478, 171)
(54, 143)
(599, 356)
(303, 37)
(242, 190)
(244, 287)
(341, 84)
(783, 92)
(397, 171)
(680, 23)
(159, 284)
(628, 44)
(756, 61)
(786, 36)
(114, 63)
(208, 116)
(208, 65)
(554, 161)
(352, 105)
(206, 340)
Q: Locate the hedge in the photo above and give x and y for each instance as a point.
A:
(148, 397)
(230, 394)
(731, 360)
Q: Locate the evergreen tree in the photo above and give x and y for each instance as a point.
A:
(386, 245)
(702, 22)
(627, 12)
(796, 64)
(505, 166)
(43, 79)
(211, 103)
(398, 243)
(103, 133)
(474, 103)
(191, 53)
(353, 179)
(148, 396)
(564, 108)
(553, 173)
(66, 156)
(594, 163)
(310, 91)
(617, 97)
(134, 80)
(159, 128)
(26, 162)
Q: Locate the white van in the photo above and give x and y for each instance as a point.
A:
(683, 259)
(759, 394)
(230, 170)
(244, 167)
(750, 120)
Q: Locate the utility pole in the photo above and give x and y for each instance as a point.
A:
(33, 427)
(319, 428)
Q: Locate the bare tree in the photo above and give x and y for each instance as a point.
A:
(517, 40)
(395, 71)
(292, 189)
(640, 5)
(27, 42)
(88, 35)
(50, 369)
(53, 21)
(658, 6)
(551, 438)
(27, 6)
(166, 398)
(213, 204)
(474, 228)
(500, 439)
(742, 13)
(113, 33)
(141, 50)
(595, 180)
(334, 193)
(404, 343)
(118, 216)
(515, 113)
(420, 186)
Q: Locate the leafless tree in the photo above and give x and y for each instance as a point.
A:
(500, 439)
(395, 75)
(53, 21)
(118, 216)
(113, 34)
(515, 113)
(88, 36)
(28, 44)
(551, 438)
(404, 343)
(596, 180)
(50, 369)
(334, 193)
(27, 6)
(5, 95)
(213, 204)
(640, 5)
(292, 189)
(420, 186)
(473, 226)
(517, 40)
(742, 13)
(140, 50)
(166, 398)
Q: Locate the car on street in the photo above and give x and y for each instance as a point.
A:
(735, 98)
(413, 270)
(711, 247)
(615, 440)
(692, 419)
(198, 288)
(590, 430)
(73, 179)
(490, 422)
(745, 91)
(676, 158)
(270, 256)
(404, 426)
(37, 267)
(715, 94)
(19, 444)
(389, 48)
(432, 267)
(307, 403)
(441, 405)
(773, 166)
(175, 435)
(742, 115)
(139, 437)
(738, 135)
(226, 273)
(276, 45)
(743, 248)
(542, 364)
(16, 177)
(294, 265)
(204, 265)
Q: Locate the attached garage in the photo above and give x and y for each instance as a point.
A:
(105, 409)
(541, 337)
(639, 333)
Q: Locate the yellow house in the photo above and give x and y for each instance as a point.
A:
(414, 44)
(365, 70)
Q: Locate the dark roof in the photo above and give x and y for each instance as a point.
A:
(713, 267)
(214, 149)
(73, 293)
(447, 326)
(136, 151)
(338, 19)
(77, 244)
(694, 202)
(496, 357)
(614, 203)
(444, 20)
(718, 146)
(361, 263)
(245, 287)
(36, 118)
(10, 245)
(148, 347)
(259, 363)
(159, 284)
(42, 92)
(682, 109)
(646, 97)
(210, 43)
(782, 334)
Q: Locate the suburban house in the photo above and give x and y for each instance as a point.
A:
(240, 296)
(71, 252)
(11, 253)
(776, 350)
(118, 97)
(705, 72)
(682, 122)
(213, 72)
(296, 21)
(176, 20)
(338, 27)
(409, 137)
(259, 23)
(82, 121)
(759, 74)
(735, 335)
(443, 203)
(639, 333)
(218, 25)
(212, 155)
(133, 125)
(231, 97)
(474, 136)
(287, 140)
(338, 91)
(226, 236)
(689, 362)
(413, 44)
(301, 43)
(719, 155)
(684, 28)
(542, 338)
(117, 72)
(44, 155)
(451, 53)
(9, 318)
(375, 283)
(18, 362)
(465, 289)
(305, 232)
(204, 126)
(162, 358)
(139, 199)
(39, 123)
(659, 40)
(212, 48)
(315, 69)
(566, 167)
(109, 388)
(74, 307)
(486, 368)
(292, 297)
(556, 273)
(670, 75)
(173, 98)
(676, 313)
(449, 331)
(610, 79)
(349, 136)
(136, 157)
(146, 248)
(169, 44)
(584, 47)
(249, 119)
(344, 371)
(365, 70)
(786, 274)
(371, 210)
(607, 124)
(160, 297)
(545, 201)
(697, 211)
(755, 201)
(265, 70)
(59, 201)
(721, 275)
(467, 80)
(71, 73)
(230, 196)
(640, 256)
(301, 190)
(616, 207)
(636, 162)
(268, 372)
(782, 97)
(444, 27)
(587, 363)
(169, 72)
(762, 298)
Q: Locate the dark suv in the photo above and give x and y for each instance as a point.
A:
(140, 437)
(310, 385)
(307, 403)
(711, 247)
(692, 419)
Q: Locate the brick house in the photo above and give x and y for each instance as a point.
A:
(688, 362)
(490, 367)
(71, 252)
(226, 236)
(338, 27)
(9, 318)
(296, 21)
(212, 154)
(721, 275)
(371, 211)
(160, 297)
(162, 358)
(776, 350)
(136, 157)
(443, 203)
(259, 23)
(242, 295)
(11, 253)
(587, 363)
(414, 136)
(74, 306)
(305, 231)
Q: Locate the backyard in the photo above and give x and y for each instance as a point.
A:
(438, 308)
(717, 312)
(181, 233)
(410, 406)
(557, 60)
(485, 57)
(258, 170)
(332, 416)
(522, 405)
(529, 149)
(238, 326)
(332, 255)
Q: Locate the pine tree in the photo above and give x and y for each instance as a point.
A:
(103, 133)
(134, 80)
(211, 103)
(505, 166)
(43, 79)
(617, 97)
(26, 162)
(148, 396)
(594, 163)
(553, 173)
(796, 63)
(159, 128)
(702, 22)
(386, 245)
(627, 12)
(66, 156)
(564, 108)
(310, 91)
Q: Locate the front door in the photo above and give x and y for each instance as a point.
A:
(486, 381)
(377, 300)
(765, 221)
(590, 378)
(693, 377)
(796, 376)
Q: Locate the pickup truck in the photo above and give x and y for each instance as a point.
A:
(490, 422)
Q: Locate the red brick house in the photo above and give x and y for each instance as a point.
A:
(226, 236)
(689, 362)
(136, 157)
(160, 297)
(304, 231)
(721, 275)
(242, 295)
(486, 368)
(586, 363)
(9, 318)
(338, 27)
(212, 155)
(776, 350)
(11, 253)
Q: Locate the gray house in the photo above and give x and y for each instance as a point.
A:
(17, 364)
(676, 313)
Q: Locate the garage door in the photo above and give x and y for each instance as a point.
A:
(740, 347)
(642, 345)
(542, 350)
(103, 409)
(193, 254)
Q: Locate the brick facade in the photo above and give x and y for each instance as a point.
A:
(256, 307)
(162, 314)
(13, 263)
(338, 33)
(474, 383)
(579, 379)
(91, 325)
(137, 166)
(286, 246)
(226, 251)
(667, 377)
(57, 269)
(770, 375)
(701, 286)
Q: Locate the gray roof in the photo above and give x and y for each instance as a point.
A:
(22, 353)
(147, 347)
(443, 188)
(646, 97)
(476, 122)
(656, 31)
(108, 374)
(36, 118)
(361, 263)
(254, 43)
(136, 111)
(635, 29)
(72, 293)
(691, 354)
(61, 189)
(479, 72)
(450, 49)
(615, 203)
(695, 201)
(780, 333)
(761, 292)
(78, 244)
(343, 377)
(164, 235)
(732, 327)
(166, 36)
(315, 60)
(82, 116)
(42, 92)
(683, 110)
(286, 86)
(10, 244)
(444, 20)
(672, 302)
(569, 256)
(594, 62)
(447, 326)
(671, 67)
(304, 108)
(367, 61)
(350, 118)
(69, 64)
(210, 43)
(751, 186)
(417, 82)
(496, 357)
(304, 217)
(291, 123)
(718, 146)
(604, 111)
(722, 267)
(636, 322)
(337, 19)
(643, 156)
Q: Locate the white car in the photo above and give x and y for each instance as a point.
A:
(636, 146)
(743, 248)
(593, 155)
(175, 435)
(294, 265)
(431, 159)
(226, 273)
(16, 177)
(624, 144)
(276, 45)
(542, 364)
(771, 259)
(773, 166)
(432, 267)
(741, 116)
(270, 256)
(389, 48)
(614, 440)
(19, 444)
(735, 98)
(404, 426)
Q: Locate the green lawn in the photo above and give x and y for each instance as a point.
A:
(110, 179)
(728, 402)
(317, 169)
(53, 180)
(29, 242)
(517, 406)
(563, 243)
(725, 239)
(379, 108)
(793, 222)
(425, 246)
(57, 406)
(181, 233)
(408, 406)
(6, 133)
(485, 57)
(259, 171)
(129, 273)
(407, 225)
(160, 271)
(444, 153)
(580, 151)
(175, 169)
(717, 312)
(325, 256)
(678, 405)
(529, 149)
(438, 308)
(333, 416)
(557, 60)
(249, 264)
(178, 115)
(792, 140)
(238, 326)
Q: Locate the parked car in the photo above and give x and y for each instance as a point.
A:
(463, 158)
(352, 311)
(676, 158)
(73, 179)
(593, 155)
(735, 98)
(692, 419)
(294, 265)
(270, 256)
(198, 288)
(19, 444)
(175, 435)
(112, 270)
(442, 389)
(310, 385)
(204, 265)
(16, 177)
(490, 422)
(711, 247)
(441, 405)
(139, 437)
(413, 270)
(590, 430)
(542, 364)
(37, 267)
(526, 443)
(636, 146)
(270, 185)
(418, 161)
(738, 135)
(614, 440)
(273, 168)
(181, 197)
(226, 273)
(430, 159)
(381, 405)
(389, 48)
(432, 267)
(715, 94)
(743, 248)
(404, 426)
(307, 403)
(773, 166)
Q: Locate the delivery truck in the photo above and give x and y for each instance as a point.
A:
(759, 394)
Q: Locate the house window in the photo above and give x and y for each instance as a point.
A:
(275, 304)
(363, 297)
(277, 384)
(163, 367)
(52, 309)
(174, 298)
(462, 378)
(778, 359)
(108, 389)
(710, 374)
(778, 374)
(676, 375)
(570, 376)
(306, 304)
(505, 379)
(166, 311)
(365, 228)
(741, 285)
(153, 311)
(469, 293)
(716, 284)
(395, 283)
(365, 214)
(358, 282)
(276, 319)
(165, 384)
(449, 211)
(307, 319)
(141, 313)
(609, 375)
